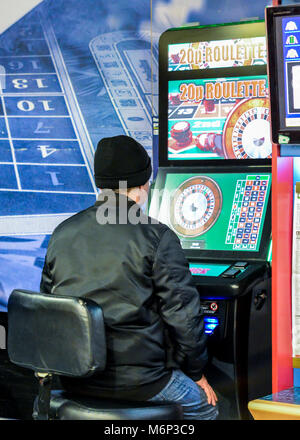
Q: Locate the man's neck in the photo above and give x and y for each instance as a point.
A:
(129, 196)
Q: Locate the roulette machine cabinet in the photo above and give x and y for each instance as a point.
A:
(213, 189)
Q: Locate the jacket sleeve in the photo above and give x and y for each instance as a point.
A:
(46, 280)
(179, 304)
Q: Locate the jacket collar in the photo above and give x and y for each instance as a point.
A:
(114, 199)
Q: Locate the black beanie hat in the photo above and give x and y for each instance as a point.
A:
(121, 158)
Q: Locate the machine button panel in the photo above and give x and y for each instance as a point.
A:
(241, 264)
(231, 273)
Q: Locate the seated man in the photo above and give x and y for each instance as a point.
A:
(135, 269)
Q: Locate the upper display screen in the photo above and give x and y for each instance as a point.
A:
(217, 54)
(219, 118)
(283, 33)
(291, 60)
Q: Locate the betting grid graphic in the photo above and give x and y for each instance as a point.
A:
(45, 152)
(247, 210)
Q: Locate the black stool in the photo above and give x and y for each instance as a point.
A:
(65, 336)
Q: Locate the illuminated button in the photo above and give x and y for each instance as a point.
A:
(213, 306)
(231, 273)
(241, 264)
(210, 324)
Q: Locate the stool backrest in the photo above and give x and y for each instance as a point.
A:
(56, 334)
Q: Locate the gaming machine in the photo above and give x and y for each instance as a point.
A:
(213, 190)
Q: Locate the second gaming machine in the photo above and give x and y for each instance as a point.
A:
(213, 189)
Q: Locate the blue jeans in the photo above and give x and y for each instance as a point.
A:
(181, 389)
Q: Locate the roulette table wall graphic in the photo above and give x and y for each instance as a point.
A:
(60, 92)
(47, 136)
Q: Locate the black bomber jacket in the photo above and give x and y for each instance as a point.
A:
(140, 277)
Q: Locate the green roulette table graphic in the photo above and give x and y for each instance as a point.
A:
(219, 119)
(217, 211)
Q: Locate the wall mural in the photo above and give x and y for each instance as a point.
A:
(72, 72)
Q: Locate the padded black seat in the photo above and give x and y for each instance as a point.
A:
(61, 335)
(64, 406)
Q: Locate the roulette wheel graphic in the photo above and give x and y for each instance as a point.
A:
(246, 132)
(196, 206)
